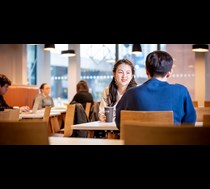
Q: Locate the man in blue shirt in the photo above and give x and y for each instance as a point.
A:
(156, 94)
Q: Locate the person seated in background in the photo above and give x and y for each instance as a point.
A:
(83, 95)
(4, 85)
(156, 94)
(44, 96)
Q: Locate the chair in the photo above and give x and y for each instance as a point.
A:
(153, 117)
(206, 120)
(87, 109)
(68, 121)
(206, 103)
(24, 133)
(195, 103)
(140, 134)
(46, 116)
(10, 114)
(200, 111)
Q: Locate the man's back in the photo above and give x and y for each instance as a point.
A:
(156, 95)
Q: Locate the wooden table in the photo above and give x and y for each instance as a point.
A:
(38, 115)
(109, 126)
(55, 120)
(97, 125)
(83, 141)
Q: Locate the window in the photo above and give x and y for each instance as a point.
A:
(59, 74)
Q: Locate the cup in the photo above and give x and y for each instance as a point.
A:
(109, 110)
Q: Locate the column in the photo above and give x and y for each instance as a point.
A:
(200, 77)
(74, 71)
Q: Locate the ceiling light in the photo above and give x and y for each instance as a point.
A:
(49, 47)
(136, 49)
(200, 48)
(68, 53)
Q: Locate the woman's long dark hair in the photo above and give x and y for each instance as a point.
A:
(113, 86)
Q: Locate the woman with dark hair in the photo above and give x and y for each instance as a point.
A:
(123, 79)
(83, 95)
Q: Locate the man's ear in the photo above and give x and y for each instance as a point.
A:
(148, 74)
(169, 74)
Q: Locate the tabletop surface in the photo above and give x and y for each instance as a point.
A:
(83, 141)
(95, 125)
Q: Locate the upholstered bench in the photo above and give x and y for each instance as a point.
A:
(21, 95)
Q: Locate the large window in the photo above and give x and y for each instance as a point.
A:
(96, 66)
(97, 61)
(97, 70)
(125, 51)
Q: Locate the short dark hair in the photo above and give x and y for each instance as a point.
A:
(159, 63)
(4, 80)
(42, 86)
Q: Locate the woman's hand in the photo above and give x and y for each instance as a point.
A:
(102, 118)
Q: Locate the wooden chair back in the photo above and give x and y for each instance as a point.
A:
(69, 120)
(67, 131)
(153, 117)
(139, 134)
(206, 120)
(206, 103)
(87, 109)
(10, 114)
(24, 133)
(200, 111)
(46, 116)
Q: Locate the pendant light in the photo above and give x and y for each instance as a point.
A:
(136, 49)
(68, 53)
(49, 47)
(200, 48)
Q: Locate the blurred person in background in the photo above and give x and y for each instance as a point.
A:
(83, 95)
(4, 85)
(44, 96)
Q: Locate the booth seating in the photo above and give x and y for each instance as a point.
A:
(21, 95)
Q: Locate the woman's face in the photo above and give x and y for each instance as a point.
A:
(123, 75)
